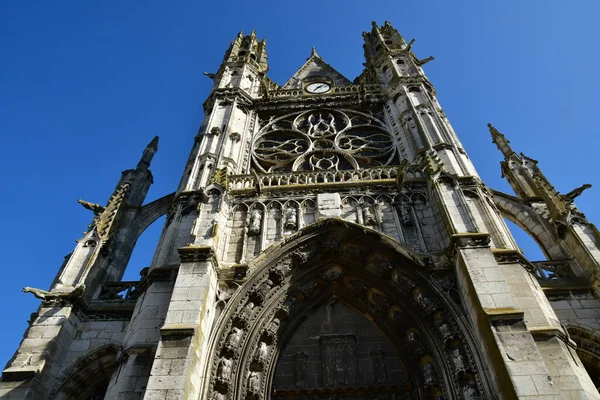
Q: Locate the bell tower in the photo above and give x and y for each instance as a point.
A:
(329, 237)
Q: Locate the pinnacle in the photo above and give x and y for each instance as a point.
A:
(314, 53)
(501, 141)
(153, 144)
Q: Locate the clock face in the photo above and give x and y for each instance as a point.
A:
(318, 87)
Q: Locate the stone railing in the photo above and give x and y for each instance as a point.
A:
(335, 90)
(316, 178)
(552, 270)
(119, 291)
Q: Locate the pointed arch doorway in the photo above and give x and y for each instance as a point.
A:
(340, 311)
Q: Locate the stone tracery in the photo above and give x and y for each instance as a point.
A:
(323, 139)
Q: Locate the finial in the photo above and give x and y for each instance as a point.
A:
(153, 144)
(253, 33)
(149, 151)
(240, 34)
(314, 53)
(374, 25)
(501, 141)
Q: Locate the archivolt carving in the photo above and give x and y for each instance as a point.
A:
(323, 139)
(338, 262)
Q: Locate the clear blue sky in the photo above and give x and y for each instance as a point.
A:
(85, 85)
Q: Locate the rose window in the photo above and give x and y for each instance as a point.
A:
(321, 140)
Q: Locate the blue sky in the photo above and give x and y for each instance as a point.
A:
(85, 85)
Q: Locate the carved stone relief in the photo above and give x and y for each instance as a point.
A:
(264, 311)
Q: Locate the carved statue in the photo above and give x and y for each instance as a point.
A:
(405, 213)
(291, 218)
(46, 295)
(233, 340)
(248, 309)
(445, 330)
(255, 220)
(424, 302)
(428, 375)
(290, 304)
(402, 280)
(469, 392)
(224, 371)
(368, 217)
(218, 396)
(261, 353)
(254, 382)
(274, 326)
(458, 360)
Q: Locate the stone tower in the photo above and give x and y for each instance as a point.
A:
(328, 239)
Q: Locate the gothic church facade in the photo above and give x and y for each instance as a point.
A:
(328, 239)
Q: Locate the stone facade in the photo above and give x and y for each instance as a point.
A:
(328, 239)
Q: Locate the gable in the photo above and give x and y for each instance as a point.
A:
(315, 69)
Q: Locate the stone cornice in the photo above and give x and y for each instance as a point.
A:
(196, 253)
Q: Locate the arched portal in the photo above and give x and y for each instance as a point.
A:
(87, 377)
(356, 285)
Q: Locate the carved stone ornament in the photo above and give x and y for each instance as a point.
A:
(414, 341)
(443, 327)
(273, 328)
(216, 131)
(469, 391)
(218, 396)
(224, 371)
(234, 136)
(428, 373)
(458, 361)
(246, 313)
(57, 296)
(255, 222)
(262, 352)
(368, 217)
(291, 218)
(254, 383)
(426, 304)
(234, 338)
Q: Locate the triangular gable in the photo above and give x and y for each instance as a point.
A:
(314, 68)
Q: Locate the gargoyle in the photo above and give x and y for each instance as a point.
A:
(210, 75)
(575, 192)
(46, 295)
(425, 60)
(97, 209)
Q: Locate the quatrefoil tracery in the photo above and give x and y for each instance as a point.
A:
(322, 140)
